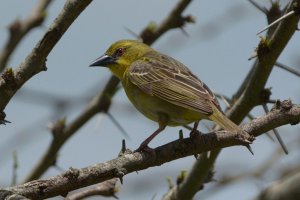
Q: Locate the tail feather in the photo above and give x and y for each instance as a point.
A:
(225, 123)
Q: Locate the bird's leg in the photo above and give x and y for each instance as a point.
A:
(144, 145)
(194, 131)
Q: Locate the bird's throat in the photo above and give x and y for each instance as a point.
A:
(118, 70)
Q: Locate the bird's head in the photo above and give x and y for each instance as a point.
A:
(120, 55)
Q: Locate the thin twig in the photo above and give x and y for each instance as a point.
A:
(19, 29)
(285, 188)
(35, 62)
(266, 109)
(15, 168)
(256, 5)
(287, 68)
(107, 189)
(118, 125)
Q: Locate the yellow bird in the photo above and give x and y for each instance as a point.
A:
(162, 88)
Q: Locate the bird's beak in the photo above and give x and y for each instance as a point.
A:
(103, 61)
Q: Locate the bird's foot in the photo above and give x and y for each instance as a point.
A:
(194, 133)
(145, 148)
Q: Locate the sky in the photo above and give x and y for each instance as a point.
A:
(216, 48)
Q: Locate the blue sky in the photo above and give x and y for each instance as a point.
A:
(217, 50)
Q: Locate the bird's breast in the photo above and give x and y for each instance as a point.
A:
(152, 106)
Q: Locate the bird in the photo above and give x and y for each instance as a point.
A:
(162, 88)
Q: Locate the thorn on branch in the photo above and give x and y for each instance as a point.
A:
(249, 148)
(120, 174)
(246, 140)
(58, 168)
(124, 150)
(133, 33)
(123, 146)
(287, 68)
(277, 135)
(183, 20)
(261, 8)
(2, 118)
(180, 134)
(118, 125)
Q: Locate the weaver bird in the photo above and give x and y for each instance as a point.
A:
(162, 88)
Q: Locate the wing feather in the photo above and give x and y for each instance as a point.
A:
(164, 77)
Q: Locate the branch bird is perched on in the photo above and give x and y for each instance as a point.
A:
(162, 88)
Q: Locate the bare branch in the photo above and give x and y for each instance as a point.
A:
(35, 62)
(283, 113)
(173, 20)
(98, 104)
(19, 29)
(107, 188)
(285, 189)
(269, 50)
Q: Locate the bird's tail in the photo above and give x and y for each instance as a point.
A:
(225, 123)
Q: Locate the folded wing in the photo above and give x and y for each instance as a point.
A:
(164, 77)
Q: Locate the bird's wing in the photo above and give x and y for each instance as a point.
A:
(164, 77)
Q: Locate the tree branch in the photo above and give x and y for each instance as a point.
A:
(19, 29)
(61, 132)
(107, 188)
(35, 62)
(285, 189)
(283, 113)
(249, 94)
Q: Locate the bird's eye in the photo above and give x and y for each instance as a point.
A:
(119, 52)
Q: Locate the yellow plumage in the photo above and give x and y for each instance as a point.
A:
(162, 88)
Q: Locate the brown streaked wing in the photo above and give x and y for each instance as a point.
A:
(171, 81)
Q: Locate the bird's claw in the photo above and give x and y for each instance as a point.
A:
(194, 133)
(145, 148)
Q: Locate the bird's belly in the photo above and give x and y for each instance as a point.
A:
(153, 107)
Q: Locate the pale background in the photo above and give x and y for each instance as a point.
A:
(217, 50)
